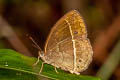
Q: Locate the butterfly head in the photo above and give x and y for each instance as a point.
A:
(41, 54)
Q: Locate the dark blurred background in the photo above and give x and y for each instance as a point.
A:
(19, 18)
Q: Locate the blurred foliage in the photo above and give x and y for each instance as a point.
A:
(111, 63)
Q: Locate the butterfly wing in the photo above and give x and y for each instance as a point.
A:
(67, 45)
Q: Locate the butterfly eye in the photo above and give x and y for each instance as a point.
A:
(75, 32)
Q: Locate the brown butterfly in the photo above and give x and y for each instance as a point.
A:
(67, 46)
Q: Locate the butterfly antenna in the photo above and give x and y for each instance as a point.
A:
(36, 45)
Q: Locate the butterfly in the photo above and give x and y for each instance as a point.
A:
(67, 46)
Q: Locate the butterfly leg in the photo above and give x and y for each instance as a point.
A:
(41, 67)
(38, 59)
(56, 70)
(55, 67)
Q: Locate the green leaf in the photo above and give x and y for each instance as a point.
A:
(15, 66)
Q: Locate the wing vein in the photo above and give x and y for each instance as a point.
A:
(73, 41)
